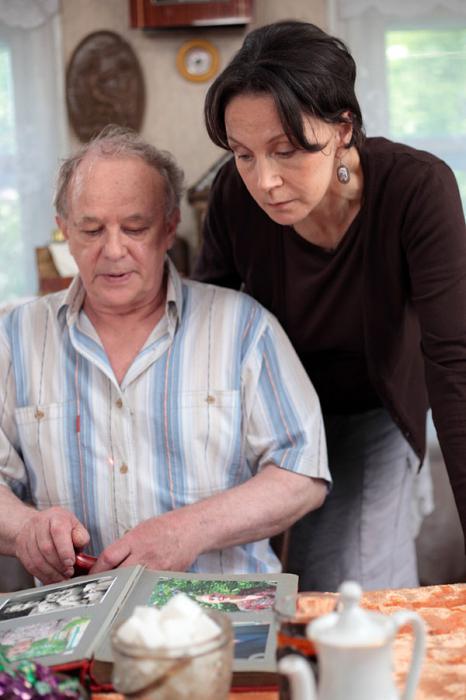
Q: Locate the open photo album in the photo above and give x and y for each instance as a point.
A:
(68, 624)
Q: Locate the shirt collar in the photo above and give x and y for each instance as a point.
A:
(74, 298)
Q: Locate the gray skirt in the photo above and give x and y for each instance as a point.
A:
(365, 531)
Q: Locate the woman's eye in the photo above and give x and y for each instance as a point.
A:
(286, 154)
(243, 156)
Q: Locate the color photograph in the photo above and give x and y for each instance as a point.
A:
(42, 639)
(250, 640)
(226, 595)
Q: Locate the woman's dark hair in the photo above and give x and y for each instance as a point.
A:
(303, 69)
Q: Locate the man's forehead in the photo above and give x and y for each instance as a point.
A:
(96, 167)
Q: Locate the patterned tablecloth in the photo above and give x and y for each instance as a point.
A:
(443, 608)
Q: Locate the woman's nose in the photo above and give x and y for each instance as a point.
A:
(268, 175)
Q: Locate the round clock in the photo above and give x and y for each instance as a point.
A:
(198, 60)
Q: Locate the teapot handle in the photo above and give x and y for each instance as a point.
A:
(406, 617)
(300, 677)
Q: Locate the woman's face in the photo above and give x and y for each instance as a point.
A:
(287, 183)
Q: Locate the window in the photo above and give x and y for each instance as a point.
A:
(10, 228)
(411, 61)
(32, 137)
(426, 85)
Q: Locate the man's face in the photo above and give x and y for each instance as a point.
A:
(118, 233)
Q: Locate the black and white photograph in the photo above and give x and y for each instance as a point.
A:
(71, 595)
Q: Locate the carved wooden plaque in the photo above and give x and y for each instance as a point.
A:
(104, 85)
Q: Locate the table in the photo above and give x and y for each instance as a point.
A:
(443, 608)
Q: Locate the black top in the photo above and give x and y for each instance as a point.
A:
(405, 254)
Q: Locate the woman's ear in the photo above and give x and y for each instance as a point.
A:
(346, 128)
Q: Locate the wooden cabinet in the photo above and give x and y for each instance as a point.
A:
(166, 14)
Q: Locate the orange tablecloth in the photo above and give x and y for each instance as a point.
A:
(443, 608)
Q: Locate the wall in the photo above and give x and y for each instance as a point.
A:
(173, 118)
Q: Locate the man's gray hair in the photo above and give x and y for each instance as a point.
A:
(114, 141)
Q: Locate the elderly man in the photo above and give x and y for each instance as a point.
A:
(153, 420)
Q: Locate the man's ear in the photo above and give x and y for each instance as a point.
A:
(61, 223)
(172, 226)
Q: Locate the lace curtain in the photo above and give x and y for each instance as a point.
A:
(34, 136)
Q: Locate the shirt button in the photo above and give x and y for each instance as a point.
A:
(210, 399)
(123, 469)
(119, 403)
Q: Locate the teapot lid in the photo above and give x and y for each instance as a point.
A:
(350, 626)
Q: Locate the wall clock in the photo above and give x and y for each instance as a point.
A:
(198, 60)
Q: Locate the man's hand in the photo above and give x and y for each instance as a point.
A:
(162, 543)
(241, 514)
(47, 541)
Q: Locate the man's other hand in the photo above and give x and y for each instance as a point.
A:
(162, 543)
(47, 541)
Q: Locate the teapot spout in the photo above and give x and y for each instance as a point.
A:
(300, 677)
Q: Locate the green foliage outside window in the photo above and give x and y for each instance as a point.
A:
(426, 83)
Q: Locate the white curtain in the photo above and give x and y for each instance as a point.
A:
(30, 41)
(399, 8)
(362, 25)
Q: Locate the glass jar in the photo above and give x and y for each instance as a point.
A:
(293, 613)
(197, 671)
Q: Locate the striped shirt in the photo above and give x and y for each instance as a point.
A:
(215, 394)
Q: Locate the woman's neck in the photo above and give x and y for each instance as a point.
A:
(327, 224)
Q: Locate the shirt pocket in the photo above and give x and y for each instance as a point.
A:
(210, 449)
(44, 433)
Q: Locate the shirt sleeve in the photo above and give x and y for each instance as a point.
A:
(435, 244)
(282, 415)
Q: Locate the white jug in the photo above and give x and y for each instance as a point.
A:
(354, 651)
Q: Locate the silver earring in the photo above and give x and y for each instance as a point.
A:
(343, 174)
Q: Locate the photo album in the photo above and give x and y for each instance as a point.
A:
(68, 624)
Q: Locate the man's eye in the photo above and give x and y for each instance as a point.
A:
(135, 230)
(91, 231)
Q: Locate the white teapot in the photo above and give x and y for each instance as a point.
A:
(354, 650)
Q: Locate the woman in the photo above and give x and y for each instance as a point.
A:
(358, 246)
